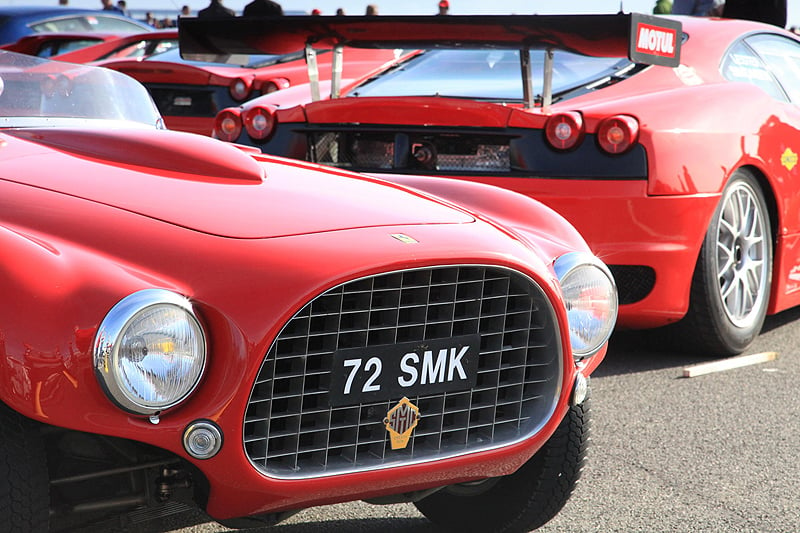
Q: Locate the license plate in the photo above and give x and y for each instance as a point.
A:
(388, 372)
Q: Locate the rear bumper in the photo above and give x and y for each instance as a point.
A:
(625, 227)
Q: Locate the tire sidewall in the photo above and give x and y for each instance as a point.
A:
(736, 338)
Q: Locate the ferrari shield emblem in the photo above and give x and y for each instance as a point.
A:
(400, 421)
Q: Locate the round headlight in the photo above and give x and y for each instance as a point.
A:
(590, 297)
(150, 351)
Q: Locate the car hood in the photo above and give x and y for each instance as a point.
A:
(210, 186)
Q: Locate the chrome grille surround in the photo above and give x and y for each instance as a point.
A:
(290, 430)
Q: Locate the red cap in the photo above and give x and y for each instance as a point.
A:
(316, 11)
(444, 3)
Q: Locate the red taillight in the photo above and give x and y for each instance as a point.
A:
(259, 122)
(275, 84)
(616, 134)
(240, 88)
(564, 130)
(228, 125)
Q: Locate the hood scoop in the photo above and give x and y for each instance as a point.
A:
(175, 154)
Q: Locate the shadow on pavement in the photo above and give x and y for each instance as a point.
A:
(647, 350)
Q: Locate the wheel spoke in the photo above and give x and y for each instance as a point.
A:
(741, 252)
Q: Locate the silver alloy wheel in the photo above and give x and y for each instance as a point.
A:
(742, 252)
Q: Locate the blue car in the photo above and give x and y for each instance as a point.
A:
(18, 21)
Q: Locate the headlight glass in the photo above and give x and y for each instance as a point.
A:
(150, 351)
(590, 296)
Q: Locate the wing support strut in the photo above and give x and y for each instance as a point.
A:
(527, 83)
(547, 83)
(336, 74)
(313, 72)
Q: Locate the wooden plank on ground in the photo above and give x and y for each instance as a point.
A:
(727, 364)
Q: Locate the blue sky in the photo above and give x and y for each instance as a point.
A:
(409, 7)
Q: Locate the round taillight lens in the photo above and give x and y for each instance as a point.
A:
(228, 125)
(240, 89)
(275, 84)
(259, 122)
(564, 130)
(617, 134)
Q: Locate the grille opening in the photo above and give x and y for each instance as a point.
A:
(292, 431)
(634, 282)
(456, 152)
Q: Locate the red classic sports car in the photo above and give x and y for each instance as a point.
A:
(189, 94)
(682, 176)
(187, 322)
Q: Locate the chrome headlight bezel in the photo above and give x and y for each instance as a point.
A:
(108, 349)
(587, 339)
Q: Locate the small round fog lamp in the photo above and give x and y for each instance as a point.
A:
(580, 390)
(202, 439)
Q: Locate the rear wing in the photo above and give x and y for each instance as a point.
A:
(642, 38)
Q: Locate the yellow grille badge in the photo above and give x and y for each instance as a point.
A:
(400, 421)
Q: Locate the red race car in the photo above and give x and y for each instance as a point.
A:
(87, 47)
(187, 322)
(54, 43)
(133, 46)
(189, 93)
(678, 165)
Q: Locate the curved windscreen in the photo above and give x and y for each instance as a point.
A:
(488, 74)
(39, 92)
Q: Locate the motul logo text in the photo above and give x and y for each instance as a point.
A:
(655, 40)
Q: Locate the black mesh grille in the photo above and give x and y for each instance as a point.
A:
(291, 430)
(634, 282)
(445, 151)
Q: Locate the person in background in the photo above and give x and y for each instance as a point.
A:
(340, 12)
(372, 10)
(662, 7)
(216, 9)
(122, 6)
(316, 12)
(698, 8)
(769, 11)
(262, 8)
(108, 6)
(185, 12)
(444, 7)
(63, 2)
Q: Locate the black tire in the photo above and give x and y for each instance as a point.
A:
(24, 484)
(524, 500)
(732, 278)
